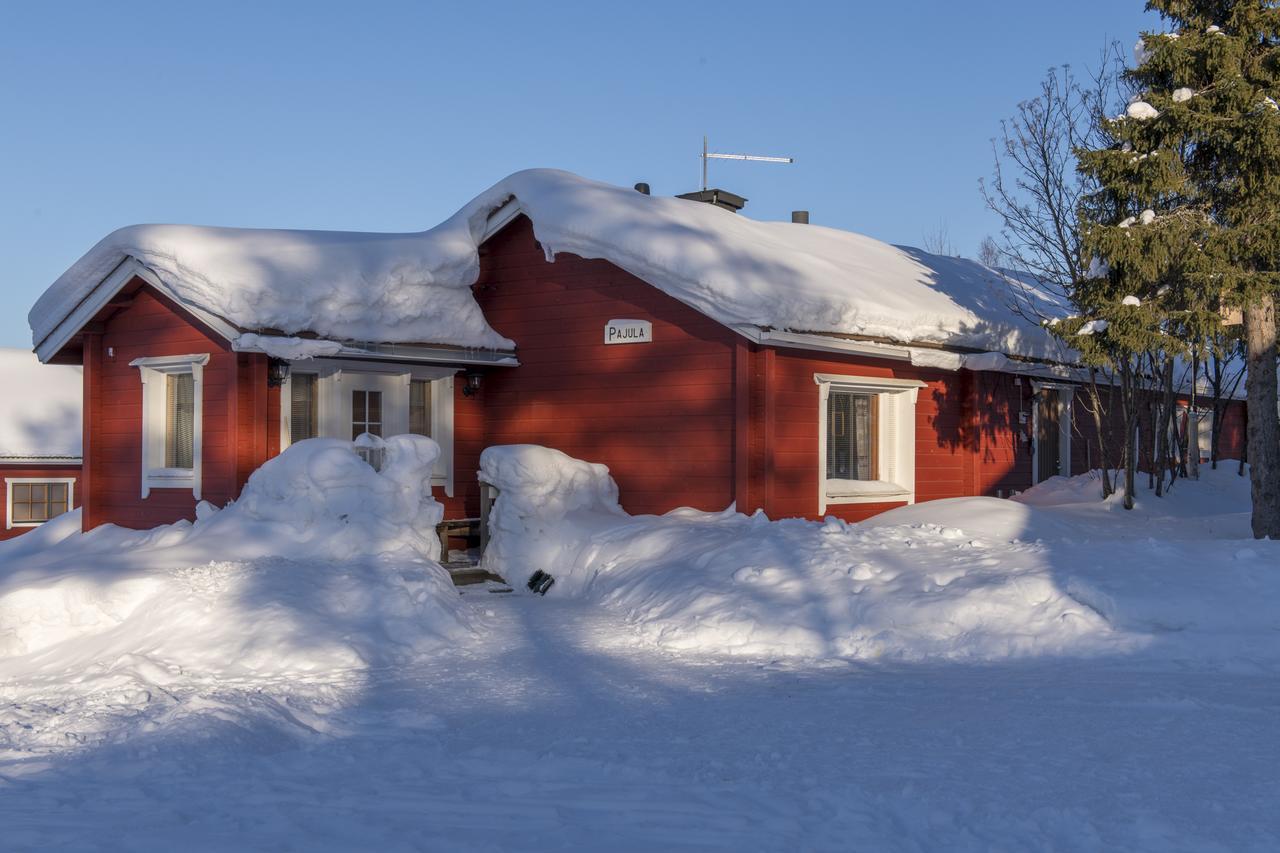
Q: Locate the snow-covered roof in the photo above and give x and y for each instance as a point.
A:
(40, 408)
(416, 287)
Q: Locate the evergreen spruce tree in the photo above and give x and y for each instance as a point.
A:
(1197, 180)
(1144, 230)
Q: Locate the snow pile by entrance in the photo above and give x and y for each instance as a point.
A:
(322, 570)
(728, 583)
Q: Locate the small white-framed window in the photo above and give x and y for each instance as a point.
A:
(366, 413)
(172, 421)
(31, 501)
(866, 439)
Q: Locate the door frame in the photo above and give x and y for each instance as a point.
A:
(1066, 408)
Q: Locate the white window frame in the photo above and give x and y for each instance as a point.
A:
(896, 428)
(1066, 411)
(335, 381)
(153, 372)
(9, 482)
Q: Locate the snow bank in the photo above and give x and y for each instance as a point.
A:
(323, 569)
(415, 287)
(40, 407)
(1057, 571)
(541, 489)
(332, 505)
(727, 583)
(998, 519)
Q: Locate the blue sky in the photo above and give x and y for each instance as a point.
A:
(388, 116)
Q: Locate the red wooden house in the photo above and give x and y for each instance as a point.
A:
(706, 358)
(40, 430)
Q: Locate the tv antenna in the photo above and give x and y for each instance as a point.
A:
(759, 158)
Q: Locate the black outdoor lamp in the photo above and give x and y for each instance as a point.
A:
(472, 385)
(277, 372)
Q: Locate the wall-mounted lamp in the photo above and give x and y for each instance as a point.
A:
(277, 372)
(472, 386)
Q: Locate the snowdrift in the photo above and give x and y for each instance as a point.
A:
(735, 584)
(1057, 572)
(322, 570)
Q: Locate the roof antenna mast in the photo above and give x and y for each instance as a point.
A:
(709, 155)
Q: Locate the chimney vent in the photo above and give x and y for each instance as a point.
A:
(643, 188)
(800, 217)
(719, 198)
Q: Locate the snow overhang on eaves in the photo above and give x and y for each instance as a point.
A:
(401, 353)
(126, 271)
(130, 268)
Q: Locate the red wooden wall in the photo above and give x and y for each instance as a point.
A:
(238, 411)
(660, 415)
(965, 432)
(1086, 449)
(52, 472)
(700, 417)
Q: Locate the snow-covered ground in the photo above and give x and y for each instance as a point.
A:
(1053, 673)
(1058, 572)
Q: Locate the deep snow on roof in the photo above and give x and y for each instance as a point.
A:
(415, 287)
(40, 407)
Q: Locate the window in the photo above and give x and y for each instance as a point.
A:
(866, 439)
(303, 407)
(366, 413)
(31, 502)
(172, 392)
(852, 421)
(336, 398)
(420, 407)
(179, 420)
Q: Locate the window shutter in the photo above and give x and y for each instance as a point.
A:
(179, 437)
(302, 407)
(420, 407)
(889, 436)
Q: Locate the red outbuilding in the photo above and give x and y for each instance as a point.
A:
(40, 430)
(704, 357)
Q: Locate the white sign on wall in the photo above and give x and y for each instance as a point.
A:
(628, 332)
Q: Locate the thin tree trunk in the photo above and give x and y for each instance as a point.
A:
(1164, 413)
(1095, 405)
(1191, 441)
(1263, 445)
(1215, 427)
(1129, 402)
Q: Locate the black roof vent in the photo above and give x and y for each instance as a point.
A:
(800, 217)
(642, 188)
(720, 198)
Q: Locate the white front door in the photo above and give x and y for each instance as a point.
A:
(371, 402)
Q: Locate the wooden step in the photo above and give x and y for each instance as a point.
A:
(468, 574)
